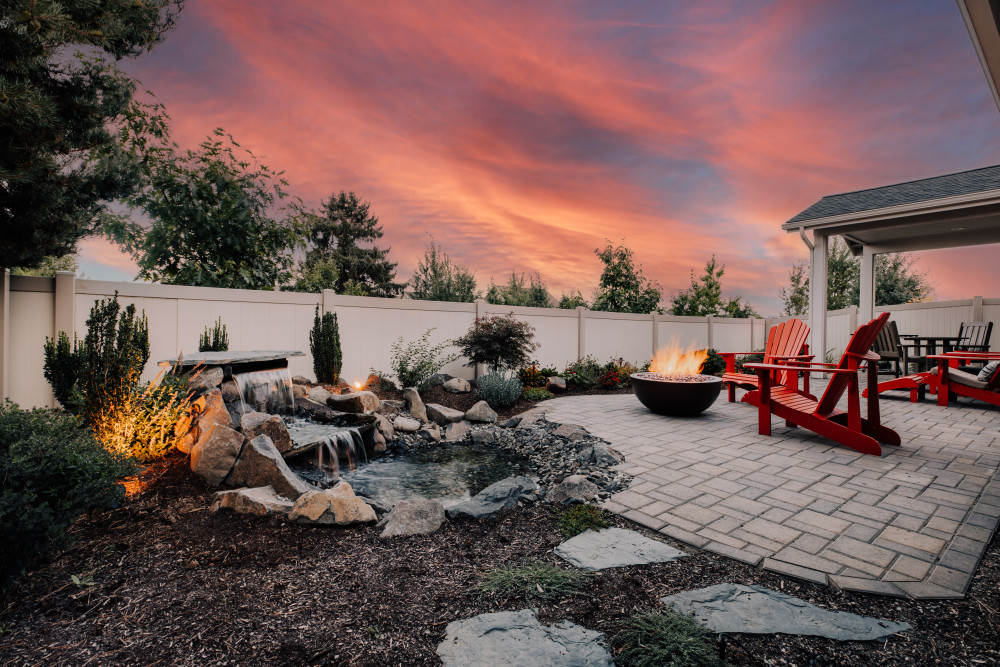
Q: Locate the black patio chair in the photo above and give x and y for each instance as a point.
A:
(891, 349)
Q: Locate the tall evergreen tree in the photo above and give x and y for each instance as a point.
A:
(438, 279)
(704, 296)
(334, 235)
(516, 293)
(60, 164)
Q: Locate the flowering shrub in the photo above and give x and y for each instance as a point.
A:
(532, 376)
(583, 374)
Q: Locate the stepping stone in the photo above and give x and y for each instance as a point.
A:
(615, 547)
(518, 638)
(759, 610)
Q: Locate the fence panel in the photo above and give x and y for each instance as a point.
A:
(619, 335)
(556, 332)
(32, 315)
(682, 331)
(731, 334)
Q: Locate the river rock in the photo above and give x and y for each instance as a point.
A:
(332, 507)
(518, 638)
(457, 386)
(230, 392)
(483, 437)
(556, 385)
(260, 423)
(319, 394)
(353, 401)
(496, 497)
(260, 464)
(442, 415)
(615, 547)
(261, 501)
(215, 453)
(298, 379)
(405, 424)
(390, 407)
(457, 431)
(417, 516)
(573, 489)
(430, 432)
(755, 609)
(203, 413)
(414, 404)
(206, 378)
(570, 432)
(378, 442)
(481, 412)
(299, 391)
(385, 427)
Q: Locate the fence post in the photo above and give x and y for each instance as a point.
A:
(711, 342)
(581, 337)
(65, 303)
(326, 301)
(977, 309)
(478, 370)
(4, 332)
(854, 319)
(656, 331)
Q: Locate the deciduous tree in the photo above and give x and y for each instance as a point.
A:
(516, 293)
(622, 287)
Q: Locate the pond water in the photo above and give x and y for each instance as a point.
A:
(448, 472)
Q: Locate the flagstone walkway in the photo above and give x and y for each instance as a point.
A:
(914, 522)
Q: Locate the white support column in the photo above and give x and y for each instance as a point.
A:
(817, 295)
(867, 310)
(4, 333)
(581, 336)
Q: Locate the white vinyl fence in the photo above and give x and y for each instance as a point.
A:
(32, 309)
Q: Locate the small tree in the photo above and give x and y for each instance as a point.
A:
(215, 339)
(437, 279)
(704, 296)
(795, 299)
(498, 342)
(572, 300)
(622, 287)
(324, 343)
(516, 293)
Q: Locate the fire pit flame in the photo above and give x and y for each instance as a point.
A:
(672, 359)
(675, 386)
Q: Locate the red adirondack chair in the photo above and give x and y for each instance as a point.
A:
(785, 342)
(953, 382)
(822, 416)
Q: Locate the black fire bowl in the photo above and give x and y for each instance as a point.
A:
(676, 398)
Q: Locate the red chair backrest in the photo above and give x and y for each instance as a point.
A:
(861, 342)
(785, 340)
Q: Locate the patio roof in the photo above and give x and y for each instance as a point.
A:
(981, 19)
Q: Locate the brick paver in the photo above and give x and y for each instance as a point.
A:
(914, 522)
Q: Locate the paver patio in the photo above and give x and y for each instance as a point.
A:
(914, 522)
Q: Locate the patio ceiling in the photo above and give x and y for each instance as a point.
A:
(981, 19)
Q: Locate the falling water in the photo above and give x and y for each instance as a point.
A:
(337, 448)
(266, 391)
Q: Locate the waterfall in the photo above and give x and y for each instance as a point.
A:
(266, 391)
(342, 447)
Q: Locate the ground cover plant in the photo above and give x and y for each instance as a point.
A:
(532, 580)
(654, 639)
(580, 518)
(536, 394)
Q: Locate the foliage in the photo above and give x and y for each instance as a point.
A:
(141, 424)
(532, 376)
(415, 362)
(543, 581)
(62, 370)
(60, 165)
(616, 375)
(51, 471)
(324, 345)
(216, 214)
(714, 365)
(653, 639)
(498, 342)
(438, 279)
(215, 339)
(572, 300)
(535, 394)
(757, 358)
(336, 261)
(49, 266)
(704, 296)
(499, 389)
(622, 287)
(581, 518)
(584, 373)
(896, 281)
(515, 293)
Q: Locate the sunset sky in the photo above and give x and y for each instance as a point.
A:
(522, 134)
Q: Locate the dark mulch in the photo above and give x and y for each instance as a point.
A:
(465, 401)
(174, 583)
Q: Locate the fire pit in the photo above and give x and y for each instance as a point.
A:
(676, 395)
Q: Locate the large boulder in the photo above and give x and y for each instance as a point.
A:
(384, 426)
(261, 501)
(319, 394)
(254, 424)
(260, 464)
(203, 413)
(570, 432)
(457, 386)
(481, 412)
(334, 507)
(214, 454)
(405, 424)
(230, 392)
(442, 415)
(496, 497)
(456, 431)
(430, 432)
(573, 489)
(417, 516)
(389, 407)
(483, 437)
(414, 404)
(206, 378)
(556, 385)
(353, 401)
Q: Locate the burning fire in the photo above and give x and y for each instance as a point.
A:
(672, 359)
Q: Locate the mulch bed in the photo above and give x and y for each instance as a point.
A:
(175, 584)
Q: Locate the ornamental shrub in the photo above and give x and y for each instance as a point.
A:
(583, 374)
(324, 343)
(415, 362)
(215, 339)
(62, 370)
(499, 342)
(714, 365)
(52, 470)
(142, 425)
(499, 389)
